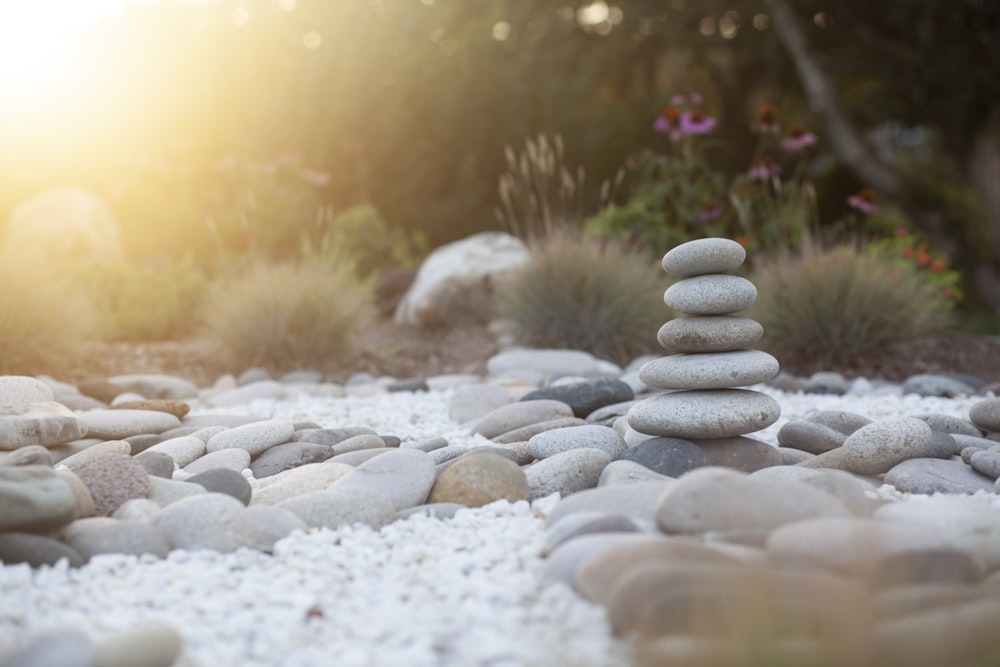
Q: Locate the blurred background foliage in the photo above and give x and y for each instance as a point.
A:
(217, 128)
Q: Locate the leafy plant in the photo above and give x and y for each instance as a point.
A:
(144, 303)
(291, 315)
(587, 294)
(835, 305)
(44, 319)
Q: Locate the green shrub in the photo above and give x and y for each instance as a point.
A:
(586, 294)
(144, 303)
(287, 316)
(44, 320)
(837, 305)
(361, 234)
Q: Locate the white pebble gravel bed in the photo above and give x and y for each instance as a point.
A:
(465, 591)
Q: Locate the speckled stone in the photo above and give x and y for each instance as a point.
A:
(701, 256)
(566, 473)
(717, 333)
(877, 447)
(712, 370)
(710, 413)
(710, 295)
(925, 475)
(289, 455)
(561, 440)
(182, 450)
(255, 438)
(986, 415)
(112, 480)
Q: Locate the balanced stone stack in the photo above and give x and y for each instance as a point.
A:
(709, 357)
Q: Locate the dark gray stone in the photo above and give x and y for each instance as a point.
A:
(606, 416)
(415, 384)
(949, 424)
(35, 550)
(140, 443)
(809, 436)
(740, 453)
(667, 456)
(156, 464)
(943, 445)
(224, 480)
(290, 455)
(586, 396)
(986, 461)
(925, 475)
(330, 436)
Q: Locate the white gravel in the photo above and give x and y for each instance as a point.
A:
(420, 592)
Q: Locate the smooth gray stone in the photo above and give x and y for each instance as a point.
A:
(941, 565)
(857, 494)
(588, 523)
(711, 333)
(706, 413)
(202, 521)
(943, 446)
(839, 420)
(502, 452)
(986, 462)
(65, 647)
(104, 535)
(229, 421)
(710, 295)
(586, 396)
(415, 384)
(925, 475)
(35, 550)
(289, 455)
(874, 449)
(428, 445)
(706, 255)
(515, 415)
(561, 440)
(791, 456)
(178, 432)
(263, 525)
(232, 459)
(359, 456)
(809, 436)
(564, 561)
(284, 485)
(525, 433)
(929, 384)
(433, 510)
(137, 509)
(34, 498)
(547, 363)
(183, 449)
(156, 464)
(164, 492)
(266, 390)
(628, 472)
(223, 480)
(826, 382)
(605, 416)
(474, 401)
(301, 377)
(965, 441)
(671, 457)
(635, 501)
(356, 443)
(140, 443)
(118, 424)
(390, 440)
(449, 453)
(403, 476)
(740, 453)
(949, 424)
(566, 473)
(255, 438)
(341, 506)
(986, 414)
(710, 370)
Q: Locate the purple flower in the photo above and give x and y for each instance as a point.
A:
(798, 139)
(695, 122)
(669, 122)
(764, 169)
(767, 120)
(686, 98)
(864, 201)
(711, 211)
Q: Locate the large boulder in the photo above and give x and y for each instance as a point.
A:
(63, 224)
(457, 279)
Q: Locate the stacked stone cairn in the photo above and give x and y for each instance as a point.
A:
(710, 357)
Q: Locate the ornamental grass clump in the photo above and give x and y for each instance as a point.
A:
(836, 305)
(586, 294)
(287, 316)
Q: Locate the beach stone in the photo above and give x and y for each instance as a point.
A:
(84, 502)
(671, 457)
(341, 506)
(358, 443)
(104, 535)
(926, 475)
(440, 511)
(956, 635)
(175, 408)
(876, 448)
(970, 523)
(550, 443)
(986, 462)
(413, 384)
(588, 523)
(403, 476)
(526, 433)
(359, 456)
(986, 415)
(636, 501)
(714, 333)
(932, 384)
(623, 471)
(77, 402)
(585, 396)
(231, 459)
(263, 525)
(95, 451)
(428, 445)
(949, 424)
(474, 401)
(156, 464)
(158, 644)
(791, 456)
(100, 389)
(826, 382)
(808, 436)
(701, 256)
(711, 370)
(35, 550)
(44, 424)
(740, 453)
(63, 647)
(34, 498)
(480, 479)
(549, 364)
(715, 413)
(215, 420)
(564, 561)
(304, 479)
(140, 443)
(202, 521)
(289, 455)
(137, 509)
(710, 295)
(152, 385)
(112, 480)
(255, 437)
(182, 450)
(721, 499)
(330, 436)
(267, 390)
(165, 492)
(606, 416)
(858, 495)
(111, 424)
(943, 446)
(222, 480)
(515, 415)
(30, 455)
(565, 473)
(19, 391)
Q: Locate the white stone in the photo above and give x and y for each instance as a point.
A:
(17, 391)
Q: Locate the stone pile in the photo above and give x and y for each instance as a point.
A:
(709, 357)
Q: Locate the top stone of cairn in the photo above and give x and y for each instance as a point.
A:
(703, 256)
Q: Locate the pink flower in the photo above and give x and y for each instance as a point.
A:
(764, 169)
(798, 139)
(686, 98)
(669, 122)
(695, 122)
(711, 211)
(767, 120)
(864, 201)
